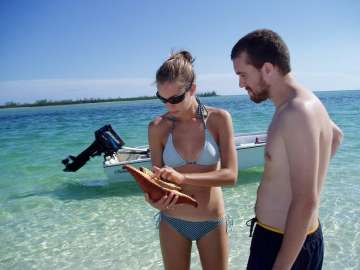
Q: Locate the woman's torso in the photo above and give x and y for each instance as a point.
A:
(192, 147)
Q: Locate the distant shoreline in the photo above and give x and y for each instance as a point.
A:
(45, 102)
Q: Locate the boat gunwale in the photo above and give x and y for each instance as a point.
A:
(238, 147)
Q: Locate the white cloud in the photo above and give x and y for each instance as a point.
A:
(59, 89)
(320, 81)
(227, 83)
(222, 83)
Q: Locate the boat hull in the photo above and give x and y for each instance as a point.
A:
(250, 157)
(249, 154)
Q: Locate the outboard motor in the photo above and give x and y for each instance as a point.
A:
(106, 141)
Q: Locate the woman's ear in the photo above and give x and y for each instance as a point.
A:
(192, 89)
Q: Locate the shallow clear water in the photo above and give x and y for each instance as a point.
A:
(52, 219)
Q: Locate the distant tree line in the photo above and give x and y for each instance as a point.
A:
(45, 102)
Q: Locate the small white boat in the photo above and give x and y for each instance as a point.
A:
(249, 147)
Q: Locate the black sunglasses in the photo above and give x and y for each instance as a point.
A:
(173, 99)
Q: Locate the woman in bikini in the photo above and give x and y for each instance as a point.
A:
(193, 147)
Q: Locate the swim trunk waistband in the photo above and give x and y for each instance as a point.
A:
(251, 222)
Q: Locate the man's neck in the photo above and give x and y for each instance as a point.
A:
(282, 89)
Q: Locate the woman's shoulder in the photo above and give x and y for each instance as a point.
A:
(218, 120)
(160, 123)
(217, 114)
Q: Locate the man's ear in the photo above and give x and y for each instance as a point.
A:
(267, 69)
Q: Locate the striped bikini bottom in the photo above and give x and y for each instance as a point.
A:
(194, 230)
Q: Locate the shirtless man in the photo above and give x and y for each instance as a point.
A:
(301, 141)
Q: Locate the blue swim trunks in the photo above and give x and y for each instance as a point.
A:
(266, 244)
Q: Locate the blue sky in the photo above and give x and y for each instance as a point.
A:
(70, 49)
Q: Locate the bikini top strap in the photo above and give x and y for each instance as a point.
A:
(201, 112)
(173, 120)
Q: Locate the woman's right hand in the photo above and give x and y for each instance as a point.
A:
(167, 202)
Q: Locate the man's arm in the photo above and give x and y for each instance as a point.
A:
(336, 139)
(299, 133)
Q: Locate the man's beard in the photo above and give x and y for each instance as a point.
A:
(262, 95)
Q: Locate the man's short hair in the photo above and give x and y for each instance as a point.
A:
(263, 46)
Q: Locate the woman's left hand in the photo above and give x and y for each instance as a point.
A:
(169, 174)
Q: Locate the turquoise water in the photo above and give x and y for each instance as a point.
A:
(50, 219)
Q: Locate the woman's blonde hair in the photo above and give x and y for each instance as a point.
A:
(178, 68)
